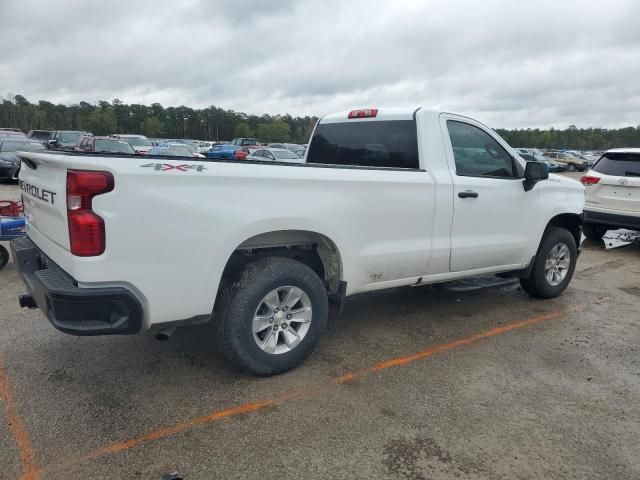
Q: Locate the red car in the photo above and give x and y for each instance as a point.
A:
(104, 145)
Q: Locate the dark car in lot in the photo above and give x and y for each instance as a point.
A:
(9, 161)
(245, 142)
(41, 135)
(89, 143)
(65, 139)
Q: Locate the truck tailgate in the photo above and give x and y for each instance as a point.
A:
(43, 180)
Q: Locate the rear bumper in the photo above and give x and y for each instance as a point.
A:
(612, 219)
(72, 309)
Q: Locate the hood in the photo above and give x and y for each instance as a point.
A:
(567, 182)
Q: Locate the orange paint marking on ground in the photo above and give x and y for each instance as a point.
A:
(405, 360)
(17, 428)
(297, 393)
(177, 428)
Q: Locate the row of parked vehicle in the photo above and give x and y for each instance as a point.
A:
(561, 160)
(12, 139)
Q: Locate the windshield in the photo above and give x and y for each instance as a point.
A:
(13, 146)
(113, 146)
(70, 137)
(285, 155)
(137, 141)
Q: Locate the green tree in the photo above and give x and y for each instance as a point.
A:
(151, 127)
(101, 121)
(242, 130)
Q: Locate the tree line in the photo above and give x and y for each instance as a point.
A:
(573, 138)
(215, 123)
(154, 121)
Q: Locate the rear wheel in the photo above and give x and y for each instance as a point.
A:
(572, 167)
(272, 317)
(4, 257)
(553, 266)
(594, 231)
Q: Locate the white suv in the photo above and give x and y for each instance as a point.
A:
(612, 193)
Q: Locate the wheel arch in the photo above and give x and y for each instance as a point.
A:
(568, 221)
(314, 249)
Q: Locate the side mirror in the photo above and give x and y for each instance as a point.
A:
(534, 172)
(53, 142)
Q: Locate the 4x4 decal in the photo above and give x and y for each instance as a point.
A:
(163, 167)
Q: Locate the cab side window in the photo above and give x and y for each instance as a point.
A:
(478, 154)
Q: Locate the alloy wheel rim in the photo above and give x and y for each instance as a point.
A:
(557, 264)
(282, 319)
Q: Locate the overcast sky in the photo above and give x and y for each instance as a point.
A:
(509, 63)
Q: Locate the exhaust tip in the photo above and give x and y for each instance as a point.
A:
(27, 301)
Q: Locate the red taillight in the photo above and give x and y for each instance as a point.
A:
(239, 155)
(364, 113)
(589, 180)
(86, 228)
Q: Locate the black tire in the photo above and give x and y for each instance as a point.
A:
(572, 167)
(4, 257)
(237, 305)
(594, 231)
(537, 284)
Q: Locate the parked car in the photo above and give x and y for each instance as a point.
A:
(263, 246)
(41, 135)
(93, 144)
(177, 144)
(573, 163)
(229, 152)
(140, 143)
(65, 139)
(532, 155)
(612, 193)
(11, 132)
(204, 147)
(174, 150)
(275, 155)
(244, 142)
(9, 161)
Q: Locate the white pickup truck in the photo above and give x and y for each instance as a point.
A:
(385, 198)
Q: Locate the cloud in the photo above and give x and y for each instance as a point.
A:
(511, 64)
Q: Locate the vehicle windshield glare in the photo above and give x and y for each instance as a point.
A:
(13, 146)
(70, 137)
(285, 155)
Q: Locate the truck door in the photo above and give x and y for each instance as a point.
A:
(494, 219)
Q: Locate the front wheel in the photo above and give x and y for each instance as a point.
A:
(273, 316)
(553, 265)
(572, 167)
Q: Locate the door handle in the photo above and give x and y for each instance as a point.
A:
(468, 194)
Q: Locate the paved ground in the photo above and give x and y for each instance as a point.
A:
(415, 383)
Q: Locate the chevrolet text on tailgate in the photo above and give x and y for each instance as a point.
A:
(386, 198)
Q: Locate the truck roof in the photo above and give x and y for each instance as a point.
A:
(386, 113)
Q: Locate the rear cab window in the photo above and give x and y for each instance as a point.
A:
(618, 164)
(384, 143)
